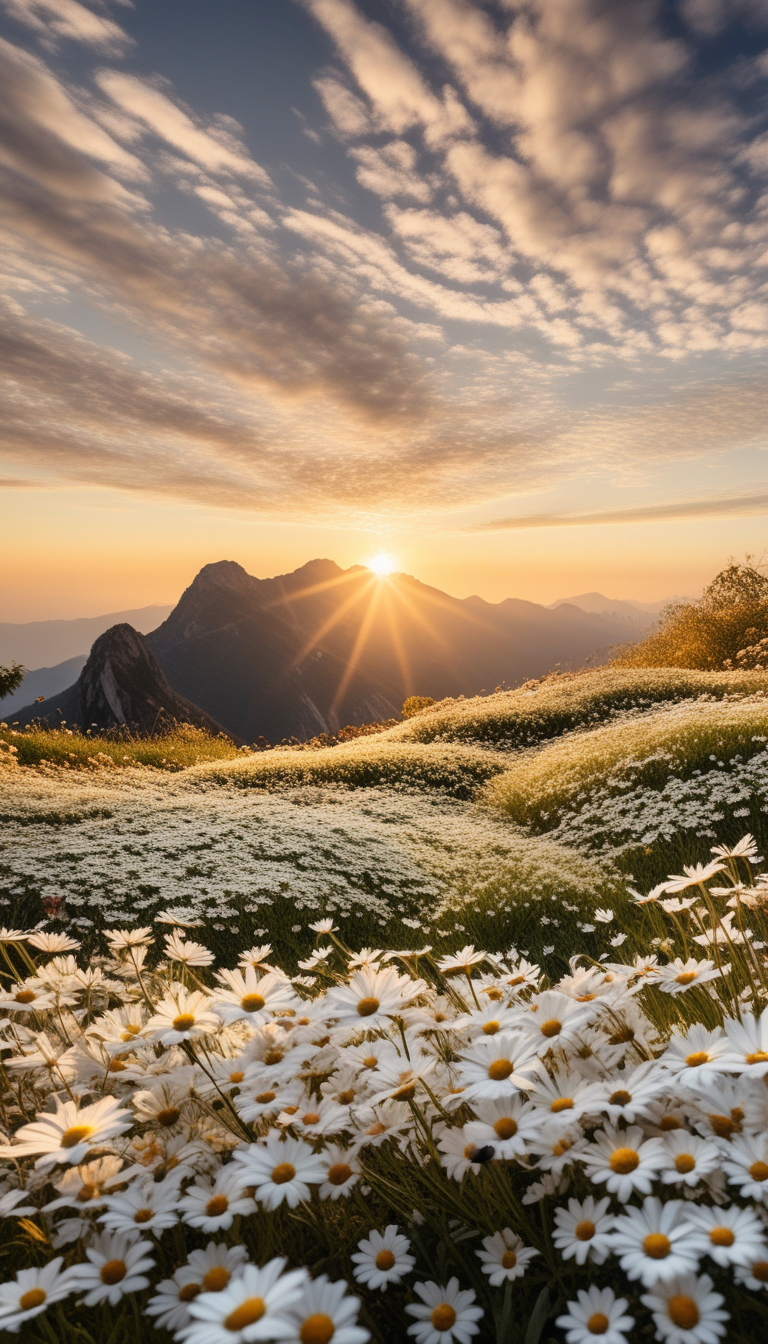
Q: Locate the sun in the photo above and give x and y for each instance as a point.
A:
(382, 564)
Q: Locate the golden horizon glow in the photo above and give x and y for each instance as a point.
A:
(382, 564)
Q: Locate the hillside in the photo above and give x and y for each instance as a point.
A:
(302, 653)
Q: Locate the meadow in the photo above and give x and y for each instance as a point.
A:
(324, 960)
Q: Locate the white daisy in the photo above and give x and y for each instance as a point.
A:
(253, 1306)
(462, 961)
(177, 948)
(729, 1236)
(499, 1066)
(281, 1170)
(655, 1241)
(70, 1132)
(342, 1174)
(678, 976)
(504, 1257)
(313, 1118)
(183, 1015)
(694, 875)
(27, 996)
(33, 1291)
(629, 1092)
(248, 996)
(121, 939)
(212, 1205)
(745, 1163)
(597, 1314)
(207, 1271)
(507, 1124)
(686, 1311)
(581, 1230)
(383, 1258)
(557, 1018)
(624, 1160)
(753, 1275)
(565, 1096)
(116, 1266)
(52, 942)
(459, 1154)
(749, 1044)
(445, 1313)
(372, 997)
(323, 1312)
(698, 1057)
(688, 1160)
(146, 1205)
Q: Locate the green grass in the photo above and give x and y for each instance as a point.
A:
(176, 750)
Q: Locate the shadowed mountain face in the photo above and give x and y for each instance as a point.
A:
(121, 683)
(306, 652)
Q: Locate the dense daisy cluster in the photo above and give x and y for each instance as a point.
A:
(391, 1137)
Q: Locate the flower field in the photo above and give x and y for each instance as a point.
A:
(452, 1038)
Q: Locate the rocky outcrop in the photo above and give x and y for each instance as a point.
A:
(122, 684)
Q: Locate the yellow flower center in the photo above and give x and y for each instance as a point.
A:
(497, 1072)
(683, 1312)
(217, 1205)
(77, 1134)
(722, 1125)
(385, 1260)
(370, 1062)
(506, 1127)
(283, 1173)
(189, 1292)
(561, 1104)
(264, 1098)
(721, 1236)
(24, 996)
(273, 1057)
(598, 1323)
(248, 1313)
(252, 1003)
(685, 978)
(35, 1297)
(184, 1022)
(339, 1173)
(168, 1116)
(237, 1076)
(585, 1230)
(551, 1027)
(443, 1317)
(620, 1098)
(508, 1260)
(317, 1329)
(759, 1270)
(657, 1246)
(695, 1060)
(113, 1271)
(624, 1160)
(668, 1122)
(685, 1162)
(367, 1007)
(216, 1279)
(759, 1171)
(86, 1192)
(491, 1028)
(142, 1216)
(311, 1118)
(759, 1057)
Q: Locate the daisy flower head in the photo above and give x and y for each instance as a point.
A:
(557, 1018)
(342, 1174)
(504, 1257)
(629, 1093)
(745, 848)
(565, 1096)
(13, 935)
(212, 1205)
(31, 1292)
(248, 996)
(367, 956)
(323, 1312)
(177, 948)
(372, 997)
(688, 1158)
(281, 1169)
(446, 1313)
(745, 1163)
(753, 1275)
(655, 1241)
(183, 1015)
(749, 1044)
(499, 1065)
(52, 942)
(116, 1265)
(461, 962)
(729, 1236)
(253, 1305)
(686, 1311)
(693, 875)
(28, 996)
(459, 1154)
(507, 1124)
(624, 1160)
(699, 1057)
(582, 1230)
(257, 956)
(121, 940)
(678, 975)
(596, 1314)
(146, 1206)
(207, 1271)
(70, 1132)
(383, 1258)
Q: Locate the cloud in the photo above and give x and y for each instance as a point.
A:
(755, 504)
(215, 149)
(53, 19)
(389, 171)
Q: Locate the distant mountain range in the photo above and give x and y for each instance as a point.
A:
(306, 652)
(641, 615)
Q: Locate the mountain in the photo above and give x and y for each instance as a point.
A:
(121, 683)
(45, 682)
(41, 644)
(641, 615)
(306, 652)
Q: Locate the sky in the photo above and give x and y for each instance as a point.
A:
(480, 283)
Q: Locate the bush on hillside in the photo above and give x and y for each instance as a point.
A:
(11, 678)
(731, 616)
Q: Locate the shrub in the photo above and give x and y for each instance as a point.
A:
(710, 633)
